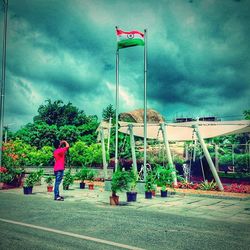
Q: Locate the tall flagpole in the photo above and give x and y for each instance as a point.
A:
(5, 3)
(116, 107)
(145, 105)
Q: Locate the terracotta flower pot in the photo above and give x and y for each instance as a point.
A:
(50, 188)
(114, 200)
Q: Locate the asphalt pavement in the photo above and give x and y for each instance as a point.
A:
(176, 222)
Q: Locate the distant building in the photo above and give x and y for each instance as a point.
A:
(190, 119)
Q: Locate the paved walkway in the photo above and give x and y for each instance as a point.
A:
(224, 208)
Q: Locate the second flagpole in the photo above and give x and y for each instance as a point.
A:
(116, 108)
(145, 105)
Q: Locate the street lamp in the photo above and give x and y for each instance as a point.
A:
(6, 128)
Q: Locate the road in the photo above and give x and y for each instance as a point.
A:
(132, 225)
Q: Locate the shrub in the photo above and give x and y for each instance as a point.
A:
(241, 162)
(82, 174)
(121, 180)
(226, 160)
(5, 176)
(68, 179)
(205, 185)
(164, 176)
(150, 181)
(33, 178)
(49, 180)
(91, 175)
(77, 153)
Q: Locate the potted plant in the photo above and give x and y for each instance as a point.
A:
(164, 177)
(149, 185)
(119, 182)
(91, 177)
(82, 175)
(68, 179)
(132, 181)
(49, 180)
(30, 181)
(154, 189)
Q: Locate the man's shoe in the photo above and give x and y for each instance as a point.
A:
(59, 199)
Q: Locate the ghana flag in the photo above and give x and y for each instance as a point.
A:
(129, 39)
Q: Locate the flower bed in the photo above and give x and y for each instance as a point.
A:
(211, 186)
(237, 188)
(218, 194)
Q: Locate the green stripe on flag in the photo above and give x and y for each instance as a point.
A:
(130, 42)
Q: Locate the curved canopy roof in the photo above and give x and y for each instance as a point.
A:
(184, 131)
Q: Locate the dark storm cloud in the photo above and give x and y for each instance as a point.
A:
(204, 61)
(198, 55)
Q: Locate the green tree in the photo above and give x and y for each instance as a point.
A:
(77, 154)
(37, 134)
(108, 112)
(83, 155)
(88, 132)
(70, 133)
(94, 155)
(19, 154)
(58, 121)
(247, 114)
(57, 113)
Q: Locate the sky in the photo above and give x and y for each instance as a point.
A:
(197, 57)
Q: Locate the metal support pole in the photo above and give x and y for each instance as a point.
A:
(186, 153)
(2, 94)
(208, 157)
(233, 154)
(248, 156)
(104, 161)
(216, 157)
(109, 131)
(6, 134)
(132, 145)
(167, 148)
(194, 150)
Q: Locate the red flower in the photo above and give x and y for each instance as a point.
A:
(237, 188)
(3, 170)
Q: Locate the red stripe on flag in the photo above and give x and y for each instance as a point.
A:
(120, 32)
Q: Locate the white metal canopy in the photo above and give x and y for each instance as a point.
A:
(184, 131)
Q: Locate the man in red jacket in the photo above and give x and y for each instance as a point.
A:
(61, 148)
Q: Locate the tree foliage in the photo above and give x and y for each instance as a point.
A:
(37, 134)
(247, 114)
(58, 121)
(108, 112)
(60, 114)
(83, 155)
(18, 154)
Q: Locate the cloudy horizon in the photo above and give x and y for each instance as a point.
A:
(198, 56)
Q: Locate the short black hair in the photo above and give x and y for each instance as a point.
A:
(56, 144)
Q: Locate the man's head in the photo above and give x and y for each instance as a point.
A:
(56, 144)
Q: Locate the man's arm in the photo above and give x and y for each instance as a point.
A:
(65, 142)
